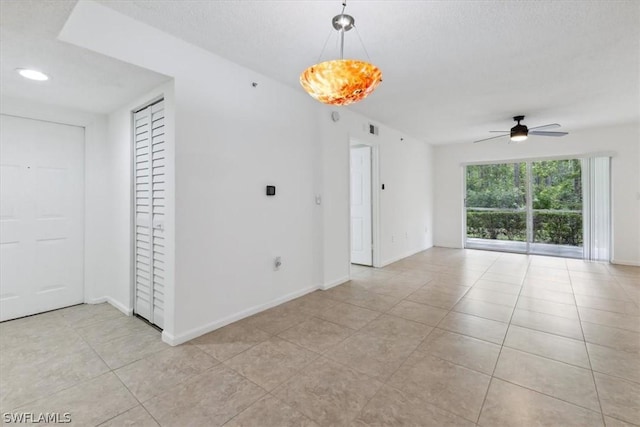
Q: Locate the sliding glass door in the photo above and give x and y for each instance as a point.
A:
(537, 207)
(496, 202)
(556, 197)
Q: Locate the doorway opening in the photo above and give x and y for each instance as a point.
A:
(363, 200)
(545, 207)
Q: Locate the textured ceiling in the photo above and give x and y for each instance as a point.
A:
(453, 70)
(80, 79)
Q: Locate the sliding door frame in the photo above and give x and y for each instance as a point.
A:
(529, 203)
(584, 159)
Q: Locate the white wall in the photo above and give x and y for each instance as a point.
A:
(623, 141)
(231, 140)
(98, 236)
(405, 167)
(406, 203)
(115, 202)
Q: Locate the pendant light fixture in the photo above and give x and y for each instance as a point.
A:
(341, 81)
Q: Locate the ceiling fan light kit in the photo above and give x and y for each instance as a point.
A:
(30, 74)
(520, 132)
(341, 81)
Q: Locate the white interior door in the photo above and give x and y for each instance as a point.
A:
(361, 226)
(41, 216)
(150, 173)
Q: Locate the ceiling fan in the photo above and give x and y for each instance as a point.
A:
(520, 132)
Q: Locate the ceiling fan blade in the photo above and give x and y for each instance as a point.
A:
(549, 126)
(501, 131)
(544, 133)
(493, 137)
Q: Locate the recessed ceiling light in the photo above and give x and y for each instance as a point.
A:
(32, 74)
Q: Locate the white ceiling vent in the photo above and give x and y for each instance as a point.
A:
(373, 129)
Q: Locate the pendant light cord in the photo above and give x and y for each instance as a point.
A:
(325, 45)
(362, 43)
(341, 39)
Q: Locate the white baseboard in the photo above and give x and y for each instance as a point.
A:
(447, 246)
(334, 283)
(403, 256)
(625, 262)
(201, 330)
(95, 300)
(113, 302)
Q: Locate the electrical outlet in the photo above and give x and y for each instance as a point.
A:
(277, 262)
(393, 239)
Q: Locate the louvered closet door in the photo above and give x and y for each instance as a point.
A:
(150, 165)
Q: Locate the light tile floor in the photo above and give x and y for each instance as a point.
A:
(445, 337)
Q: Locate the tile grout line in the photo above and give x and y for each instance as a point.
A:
(385, 382)
(356, 305)
(612, 327)
(559, 361)
(624, 289)
(317, 355)
(68, 326)
(189, 378)
(388, 378)
(239, 353)
(510, 382)
(433, 328)
(550, 396)
(296, 371)
(450, 311)
(267, 392)
(110, 369)
(349, 327)
(113, 371)
(515, 384)
(64, 388)
(586, 348)
(495, 366)
(139, 404)
(545, 331)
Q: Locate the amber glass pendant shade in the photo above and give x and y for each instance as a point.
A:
(341, 81)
